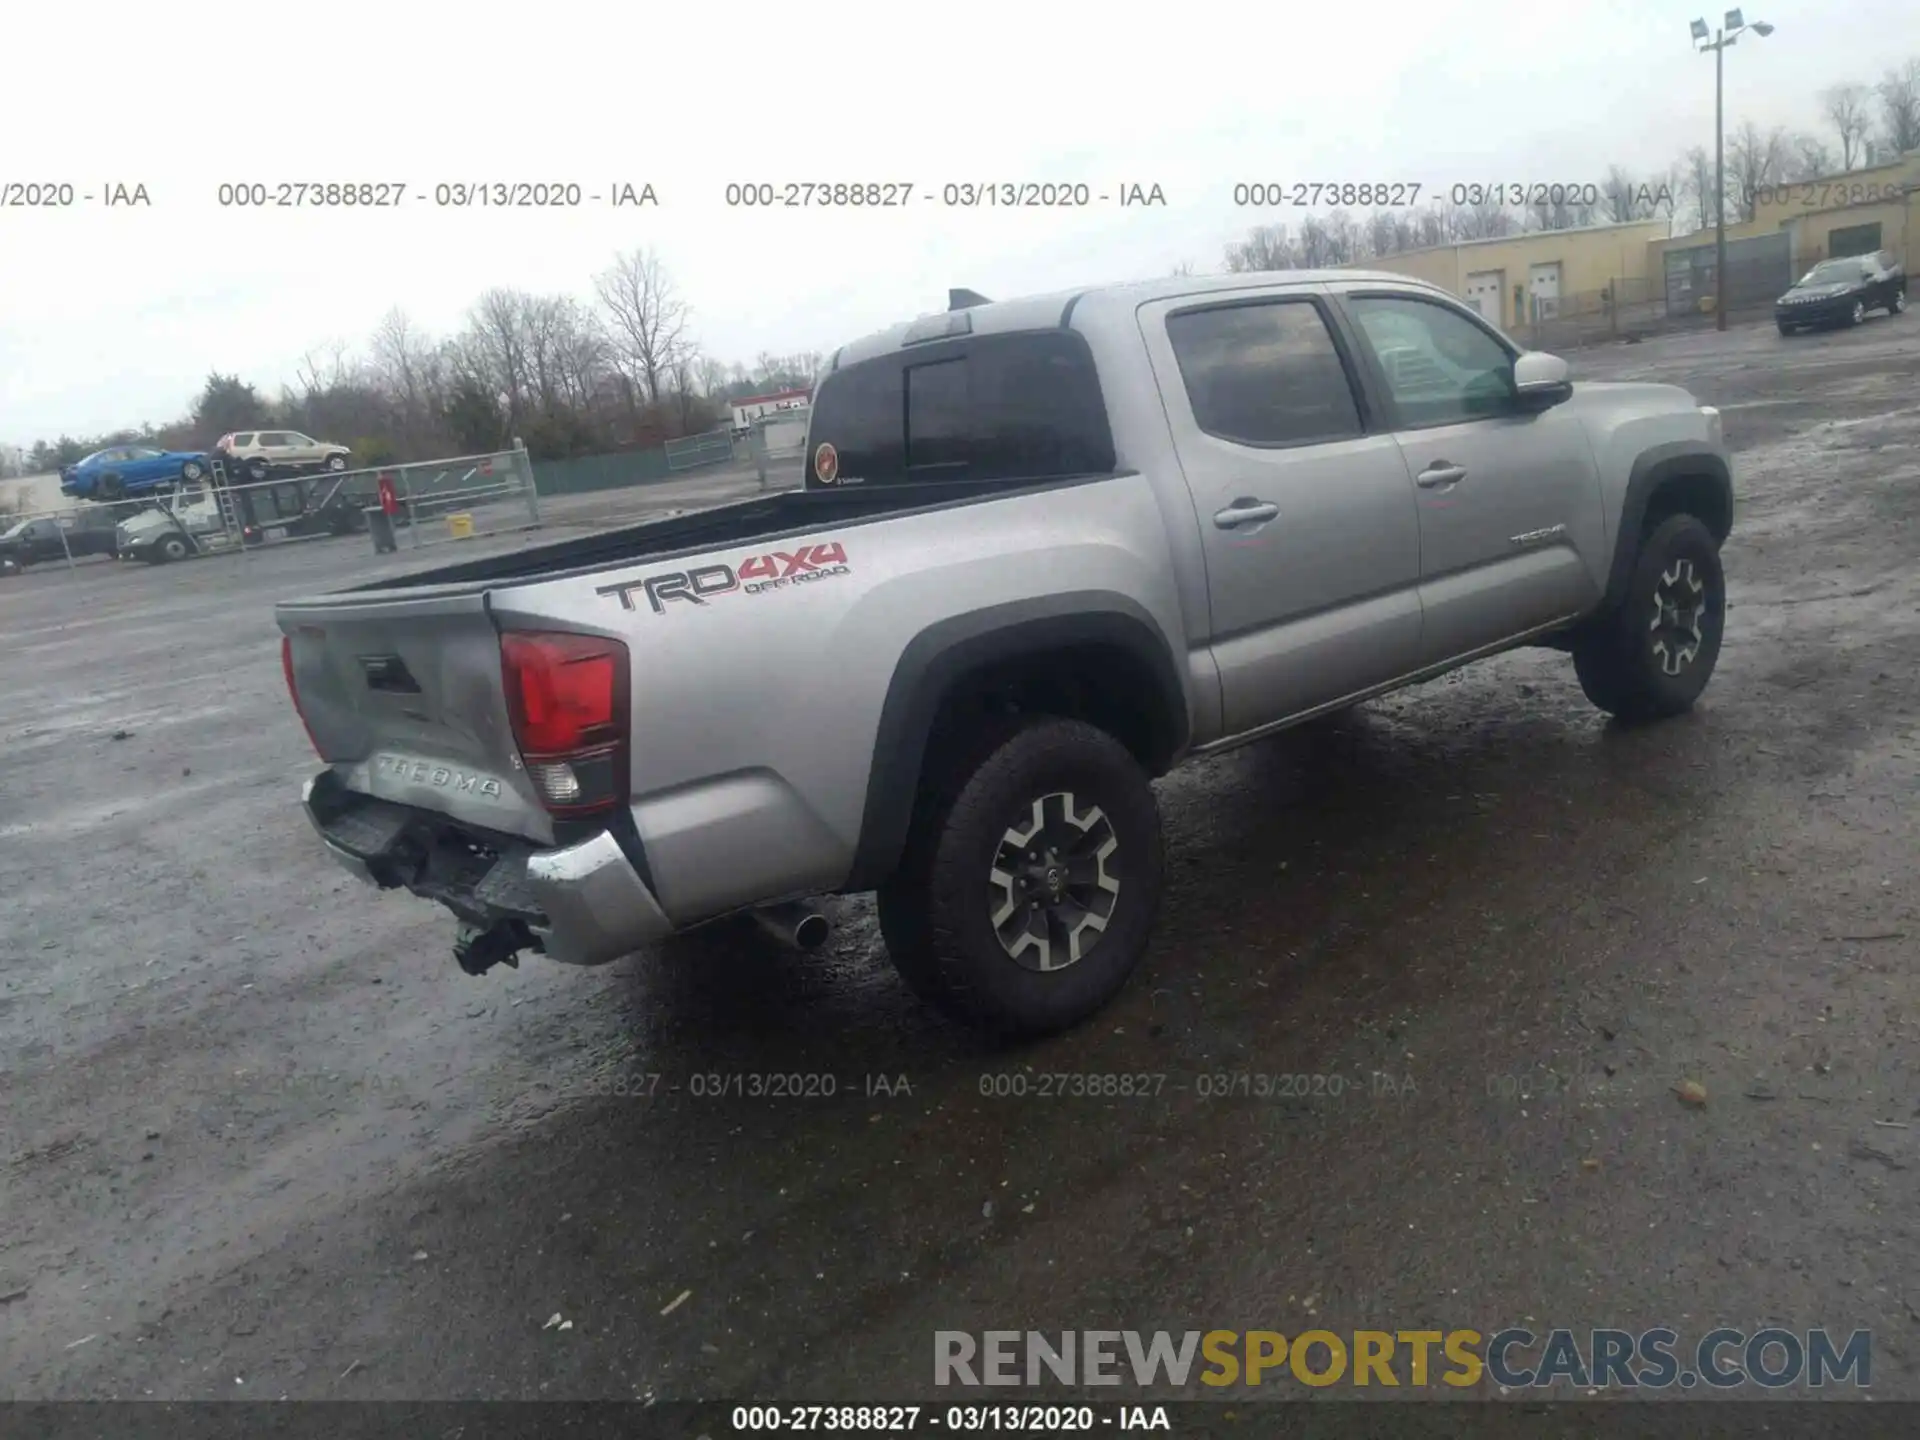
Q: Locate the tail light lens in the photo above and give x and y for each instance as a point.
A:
(293, 690)
(567, 698)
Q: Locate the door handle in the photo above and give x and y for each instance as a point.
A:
(1245, 512)
(1440, 473)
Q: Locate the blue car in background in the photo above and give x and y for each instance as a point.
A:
(122, 471)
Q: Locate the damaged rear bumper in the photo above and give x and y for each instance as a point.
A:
(582, 904)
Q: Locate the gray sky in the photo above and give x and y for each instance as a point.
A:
(114, 317)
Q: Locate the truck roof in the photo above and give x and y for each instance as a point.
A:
(1054, 309)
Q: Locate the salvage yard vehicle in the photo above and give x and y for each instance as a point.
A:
(271, 454)
(1842, 291)
(1045, 550)
(88, 530)
(124, 470)
(187, 523)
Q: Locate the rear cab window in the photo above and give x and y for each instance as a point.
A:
(1016, 406)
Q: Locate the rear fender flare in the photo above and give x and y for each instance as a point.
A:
(943, 655)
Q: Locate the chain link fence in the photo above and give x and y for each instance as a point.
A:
(691, 452)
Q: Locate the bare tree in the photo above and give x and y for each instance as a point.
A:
(1619, 198)
(1267, 247)
(1701, 188)
(1808, 158)
(496, 357)
(1900, 107)
(1845, 109)
(1488, 220)
(648, 318)
(711, 375)
(1754, 162)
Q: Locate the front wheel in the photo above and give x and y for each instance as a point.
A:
(173, 547)
(1898, 305)
(1858, 313)
(110, 487)
(1785, 329)
(1651, 658)
(1029, 888)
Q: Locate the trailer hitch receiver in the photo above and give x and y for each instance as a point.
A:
(477, 950)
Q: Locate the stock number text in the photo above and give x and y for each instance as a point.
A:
(1326, 192)
(311, 194)
(815, 194)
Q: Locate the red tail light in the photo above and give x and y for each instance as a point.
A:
(293, 690)
(567, 698)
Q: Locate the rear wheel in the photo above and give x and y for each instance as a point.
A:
(1651, 658)
(336, 463)
(191, 471)
(1031, 880)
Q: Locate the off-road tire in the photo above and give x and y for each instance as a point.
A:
(1620, 660)
(936, 913)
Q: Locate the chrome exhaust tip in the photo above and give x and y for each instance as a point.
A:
(794, 924)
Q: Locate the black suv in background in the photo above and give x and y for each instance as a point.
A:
(1842, 290)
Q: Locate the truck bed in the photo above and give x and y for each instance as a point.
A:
(762, 517)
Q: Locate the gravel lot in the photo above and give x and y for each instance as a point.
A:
(263, 1139)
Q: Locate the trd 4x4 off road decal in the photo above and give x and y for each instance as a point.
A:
(755, 575)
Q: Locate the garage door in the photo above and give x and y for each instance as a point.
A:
(1484, 289)
(1543, 284)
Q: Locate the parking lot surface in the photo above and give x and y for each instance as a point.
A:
(263, 1139)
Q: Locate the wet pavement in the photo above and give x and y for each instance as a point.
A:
(263, 1139)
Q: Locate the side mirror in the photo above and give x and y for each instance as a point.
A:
(1541, 381)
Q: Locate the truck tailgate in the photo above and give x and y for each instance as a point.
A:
(405, 699)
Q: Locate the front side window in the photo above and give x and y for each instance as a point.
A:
(1264, 374)
(1440, 367)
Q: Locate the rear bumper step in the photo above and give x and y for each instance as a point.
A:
(583, 904)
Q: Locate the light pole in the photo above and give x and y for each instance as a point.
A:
(1731, 27)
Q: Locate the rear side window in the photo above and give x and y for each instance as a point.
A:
(1264, 374)
(246, 439)
(1021, 406)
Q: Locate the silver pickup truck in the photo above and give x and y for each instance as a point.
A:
(1045, 550)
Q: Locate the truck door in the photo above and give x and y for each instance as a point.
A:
(1306, 516)
(1510, 520)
